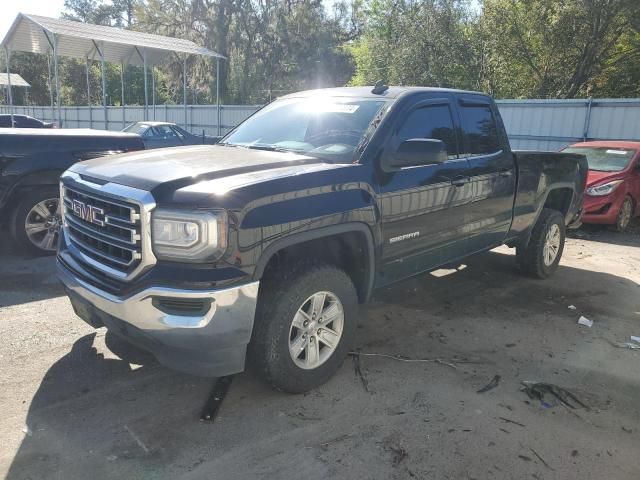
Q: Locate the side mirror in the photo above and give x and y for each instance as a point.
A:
(419, 151)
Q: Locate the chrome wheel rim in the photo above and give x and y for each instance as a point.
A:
(316, 330)
(551, 245)
(42, 224)
(624, 217)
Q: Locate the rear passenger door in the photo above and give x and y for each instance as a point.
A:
(423, 206)
(492, 172)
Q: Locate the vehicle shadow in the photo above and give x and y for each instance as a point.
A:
(605, 234)
(25, 278)
(97, 414)
(87, 405)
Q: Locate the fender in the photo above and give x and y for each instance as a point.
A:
(526, 236)
(35, 179)
(324, 232)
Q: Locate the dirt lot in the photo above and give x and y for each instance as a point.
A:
(72, 409)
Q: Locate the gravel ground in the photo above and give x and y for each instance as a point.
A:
(74, 409)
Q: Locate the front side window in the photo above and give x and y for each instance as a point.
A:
(325, 127)
(480, 131)
(179, 132)
(604, 159)
(165, 131)
(432, 121)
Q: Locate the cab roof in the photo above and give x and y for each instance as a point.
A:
(608, 144)
(366, 92)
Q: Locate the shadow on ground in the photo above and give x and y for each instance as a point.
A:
(95, 417)
(606, 234)
(25, 278)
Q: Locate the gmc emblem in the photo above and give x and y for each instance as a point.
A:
(88, 213)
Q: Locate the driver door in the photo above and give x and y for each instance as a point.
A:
(423, 207)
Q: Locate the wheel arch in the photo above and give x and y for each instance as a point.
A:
(44, 178)
(558, 198)
(349, 246)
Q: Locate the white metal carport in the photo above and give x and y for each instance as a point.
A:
(8, 81)
(67, 38)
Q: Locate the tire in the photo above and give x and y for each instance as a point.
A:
(625, 214)
(535, 259)
(44, 235)
(281, 298)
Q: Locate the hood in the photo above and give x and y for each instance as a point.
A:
(179, 167)
(597, 178)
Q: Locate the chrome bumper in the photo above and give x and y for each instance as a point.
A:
(209, 343)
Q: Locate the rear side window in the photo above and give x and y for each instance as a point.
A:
(479, 129)
(431, 121)
(26, 122)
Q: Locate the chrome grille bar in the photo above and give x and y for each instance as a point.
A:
(107, 226)
(102, 254)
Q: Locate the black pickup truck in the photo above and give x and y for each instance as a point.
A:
(262, 246)
(31, 161)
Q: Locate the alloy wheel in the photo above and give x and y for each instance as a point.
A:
(42, 224)
(316, 330)
(551, 245)
(624, 216)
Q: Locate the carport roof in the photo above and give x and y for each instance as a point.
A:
(36, 34)
(16, 80)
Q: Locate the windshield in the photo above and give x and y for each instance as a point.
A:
(604, 159)
(327, 127)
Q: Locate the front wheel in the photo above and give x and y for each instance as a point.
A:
(540, 258)
(305, 324)
(624, 215)
(35, 223)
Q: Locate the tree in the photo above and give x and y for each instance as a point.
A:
(415, 42)
(547, 48)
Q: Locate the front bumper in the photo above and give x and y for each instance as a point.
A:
(209, 341)
(604, 209)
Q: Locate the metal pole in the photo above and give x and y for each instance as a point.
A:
(124, 119)
(587, 121)
(184, 88)
(50, 85)
(146, 95)
(89, 96)
(104, 88)
(8, 54)
(153, 89)
(56, 78)
(218, 92)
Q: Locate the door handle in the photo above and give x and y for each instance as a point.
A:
(460, 181)
(505, 172)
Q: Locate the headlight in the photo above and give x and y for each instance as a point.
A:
(605, 189)
(188, 236)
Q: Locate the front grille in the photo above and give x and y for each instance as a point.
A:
(105, 231)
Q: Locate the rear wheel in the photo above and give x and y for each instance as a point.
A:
(305, 324)
(540, 258)
(35, 223)
(624, 215)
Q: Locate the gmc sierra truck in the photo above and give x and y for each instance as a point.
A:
(31, 161)
(260, 248)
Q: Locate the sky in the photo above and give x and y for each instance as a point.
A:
(11, 8)
(51, 8)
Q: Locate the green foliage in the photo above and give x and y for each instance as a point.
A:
(415, 43)
(550, 48)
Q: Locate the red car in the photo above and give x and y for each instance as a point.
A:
(613, 185)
